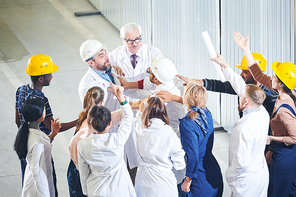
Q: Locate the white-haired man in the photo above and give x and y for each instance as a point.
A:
(133, 56)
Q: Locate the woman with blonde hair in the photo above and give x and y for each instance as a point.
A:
(159, 150)
(203, 173)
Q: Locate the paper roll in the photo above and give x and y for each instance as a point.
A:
(212, 53)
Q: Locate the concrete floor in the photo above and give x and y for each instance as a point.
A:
(50, 27)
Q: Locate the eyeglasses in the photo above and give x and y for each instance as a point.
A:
(148, 71)
(137, 40)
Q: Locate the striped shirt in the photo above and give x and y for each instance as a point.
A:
(23, 93)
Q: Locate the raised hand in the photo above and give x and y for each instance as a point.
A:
(220, 60)
(241, 41)
(185, 79)
(55, 127)
(117, 91)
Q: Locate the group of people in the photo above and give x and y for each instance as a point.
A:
(142, 133)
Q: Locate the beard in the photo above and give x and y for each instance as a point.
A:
(240, 108)
(106, 66)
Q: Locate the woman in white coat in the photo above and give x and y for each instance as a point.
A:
(159, 151)
(35, 146)
(100, 156)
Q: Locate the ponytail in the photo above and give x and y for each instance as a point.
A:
(21, 141)
(32, 109)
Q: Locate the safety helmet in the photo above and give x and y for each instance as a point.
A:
(286, 72)
(90, 48)
(40, 64)
(259, 58)
(163, 69)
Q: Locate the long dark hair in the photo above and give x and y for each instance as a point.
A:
(287, 90)
(32, 109)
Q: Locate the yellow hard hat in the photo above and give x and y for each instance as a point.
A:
(286, 72)
(259, 58)
(40, 65)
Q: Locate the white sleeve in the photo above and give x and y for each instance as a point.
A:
(84, 170)
(37, 162)
(177, 154)
(125, 127)
(236, 81)
(148, 85)
(241, 151)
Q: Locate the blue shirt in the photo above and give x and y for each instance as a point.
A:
(22, 94)
(106, 76)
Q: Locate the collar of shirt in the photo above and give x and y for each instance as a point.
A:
(106, 76)
(139, 53)
(248, 111)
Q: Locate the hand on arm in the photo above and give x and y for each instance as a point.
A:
(135, 105)
(118, 70)
(167, 96)
(128, 85)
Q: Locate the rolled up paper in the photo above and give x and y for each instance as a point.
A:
(212, 53)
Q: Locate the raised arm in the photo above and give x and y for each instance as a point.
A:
(255, 70)
(236, 81)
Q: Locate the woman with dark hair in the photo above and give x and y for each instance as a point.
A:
(203, 173)
(282, 151)
(93, 97)
(159, 150)
(34, 145)
(101, 163)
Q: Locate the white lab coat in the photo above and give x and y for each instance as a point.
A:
(247, 174)
(175, 110)
(119, 57)
(159, 150)
(38, 180)
(236, 81)
(91, 79)
(101, 164)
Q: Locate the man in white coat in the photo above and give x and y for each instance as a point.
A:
(99, 73)
(133, 57)
(247, 174)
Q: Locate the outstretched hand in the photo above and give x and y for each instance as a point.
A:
(241, 41)
(55, 127)
(220, 60)
(117, 91)
(185, 79)
(165, 95)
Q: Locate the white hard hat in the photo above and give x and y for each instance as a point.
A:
(90, 48)
(163, 69)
